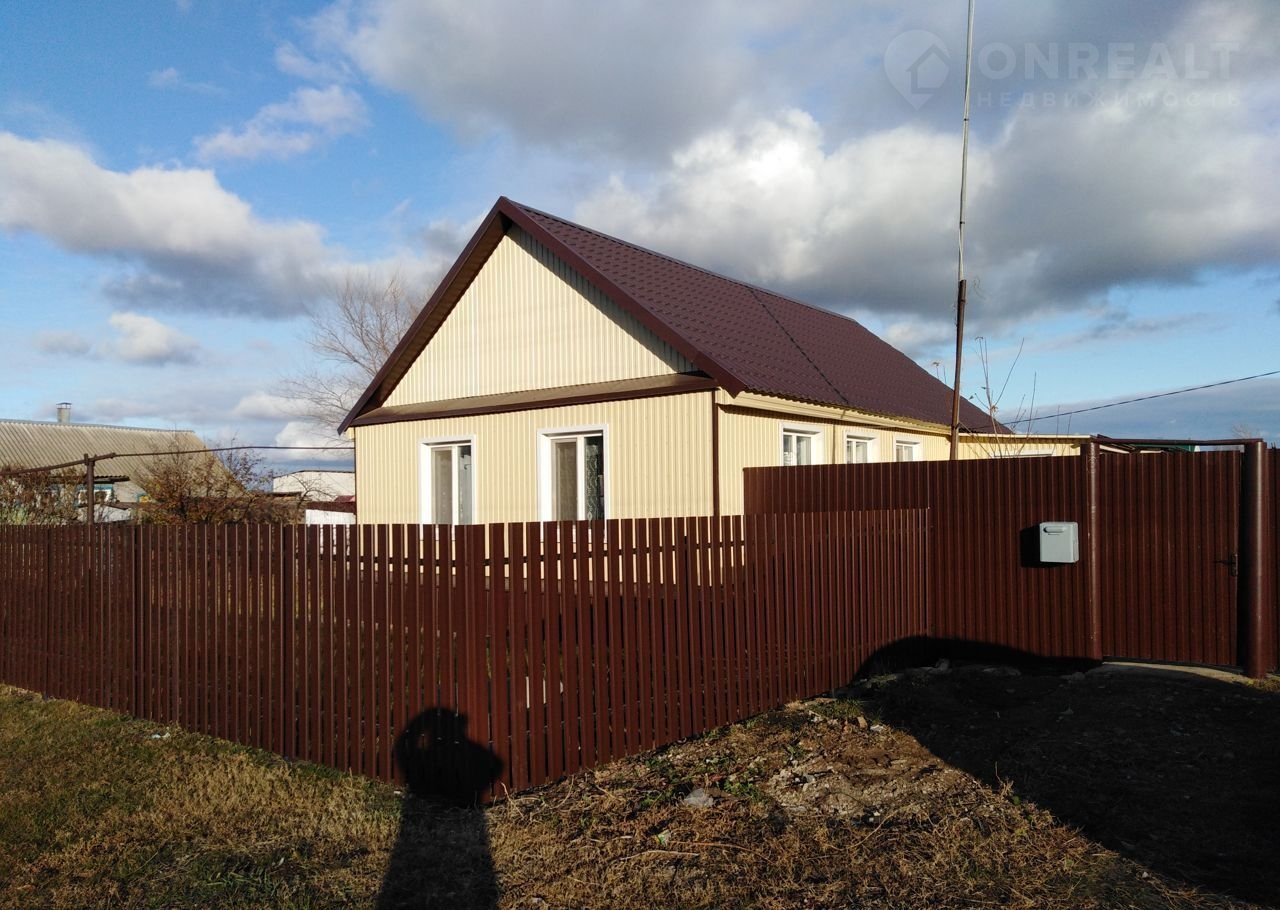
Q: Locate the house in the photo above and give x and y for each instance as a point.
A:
(118, 482)
(316, 485)
(559, 373)
(328, 497)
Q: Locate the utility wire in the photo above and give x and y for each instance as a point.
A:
(75, 464)
(1116, 404)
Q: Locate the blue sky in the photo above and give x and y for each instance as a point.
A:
(181, 181)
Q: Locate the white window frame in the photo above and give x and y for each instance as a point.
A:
(817, 447)
(873, 446)
(426, 501)
(916, 446)
(546, 437)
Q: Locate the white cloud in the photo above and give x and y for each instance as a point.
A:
(917, 338)
(864, 223)
(170, 78)
(633, 76)
(1066, 205)
(147, 341)
(185, 240)
(265, 406)
(310, 117)
(320, 445)
(63, 342)
(293, 62)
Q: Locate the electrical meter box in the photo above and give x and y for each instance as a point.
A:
(1059, 541)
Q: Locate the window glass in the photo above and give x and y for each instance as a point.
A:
(804, 450)
(450, 484)
(798, 447)
(465, 493)
(442, 485)
(905, 451)
(593, 476)
(856, 450)
(564, 494)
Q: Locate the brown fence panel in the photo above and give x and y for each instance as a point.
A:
(1273, 591)
(982, 516)
(1169, 548)
(563, 645)
(1160, 543)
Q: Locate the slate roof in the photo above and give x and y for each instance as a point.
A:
(746, 338)
(35, 443)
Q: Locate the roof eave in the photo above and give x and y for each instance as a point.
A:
(491, 225)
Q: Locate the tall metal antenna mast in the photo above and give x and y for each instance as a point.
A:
(960, 279)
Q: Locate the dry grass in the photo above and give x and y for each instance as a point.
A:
(813, 808)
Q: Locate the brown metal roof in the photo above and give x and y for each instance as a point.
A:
(744, 337)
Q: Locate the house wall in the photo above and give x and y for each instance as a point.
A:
(658, 453)
(530, 322)
(751, 436)
(657, 459)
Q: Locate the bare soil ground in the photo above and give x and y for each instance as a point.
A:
(964, 788)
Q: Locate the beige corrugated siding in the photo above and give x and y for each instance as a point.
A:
(657, 459)
(1015, 446)
(753, 439)
(528, 322)
(751, 436)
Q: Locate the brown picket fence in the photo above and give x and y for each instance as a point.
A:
(562, 645)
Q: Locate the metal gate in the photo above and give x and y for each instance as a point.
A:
(1168, 555)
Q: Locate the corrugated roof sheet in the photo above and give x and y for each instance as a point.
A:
(34, 443)
(745, 337)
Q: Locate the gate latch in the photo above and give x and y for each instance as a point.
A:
(1232, 563)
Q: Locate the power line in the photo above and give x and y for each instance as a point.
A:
(1116, 404)
(78, 463)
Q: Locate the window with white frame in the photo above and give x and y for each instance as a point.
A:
(448, 482)
(906, 450)
(573, 475)
(859, 449)
(801, 445)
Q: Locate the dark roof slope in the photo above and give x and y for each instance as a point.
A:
(745, 337)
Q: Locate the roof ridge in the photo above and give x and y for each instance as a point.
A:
(95, 426)
(803, 353)
(761, 289)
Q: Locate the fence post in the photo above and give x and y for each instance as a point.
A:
(1253, 558)
(48, 611)
(135, 535)
(1094, 592)
(287, 611)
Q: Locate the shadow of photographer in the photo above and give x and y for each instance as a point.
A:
(441, 857)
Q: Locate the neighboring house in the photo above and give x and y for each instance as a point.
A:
(317, 485)
(328, 497)
(118, 481)
(560, 373)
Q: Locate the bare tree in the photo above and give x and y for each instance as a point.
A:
(352, 335)
(38, 497)
(212, 488)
